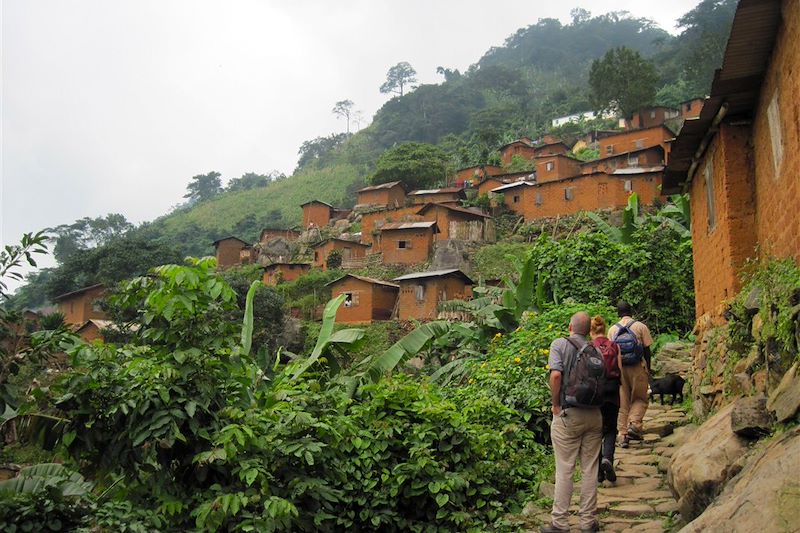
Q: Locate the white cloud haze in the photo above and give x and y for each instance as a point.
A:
(112, 106)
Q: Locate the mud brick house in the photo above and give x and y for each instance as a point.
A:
(81, 305)
(318, 214)
(553, 167)
(283, 272)
(740, 158)
(422, 292)
(460, 223)
(474, 175)
(691, 108)
(386, 195)
(487, 185)
(631, 140)
(372, 222)
(406, 243)
(366, 299)
(349, 250)
(649, 117)
(92, 329)
(229, 251)
(268, 234)
(247, 255)
(584, 192)
(550, 146)
(521, 147)
(652, 156)
(443, 195)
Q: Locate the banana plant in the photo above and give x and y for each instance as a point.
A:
(52, 476)
(329, 343)
(631, 220)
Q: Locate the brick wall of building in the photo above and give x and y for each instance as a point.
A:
(588, 193)
(410, 307)
(517, 148)
(418, 246)
(556, 167)
(719, 251)
(275, 274)
(229, 252)
(436, 198)
(475, 174)
(349, 250)
(631, 140)
(394, 197)
(317, 214)
(777, 192)
(370, 301)
(371, 222)
(551, 149)
(81, 307)
(648, 157)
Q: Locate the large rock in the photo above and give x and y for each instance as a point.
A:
(699, 469)
(785, 399)
(749, 418)
(765, 497)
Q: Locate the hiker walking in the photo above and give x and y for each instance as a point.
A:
(610, 408)
(577, 375)
(634, 340)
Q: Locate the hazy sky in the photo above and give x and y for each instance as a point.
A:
(113, 105)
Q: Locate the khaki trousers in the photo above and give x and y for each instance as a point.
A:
(633, 399)
(575, 433)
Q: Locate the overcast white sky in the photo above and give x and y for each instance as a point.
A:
(113, 105)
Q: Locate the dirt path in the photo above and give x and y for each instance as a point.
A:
(640, 500)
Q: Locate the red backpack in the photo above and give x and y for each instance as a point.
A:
(610, 352)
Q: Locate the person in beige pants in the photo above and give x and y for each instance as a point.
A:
(633, 397)
(576, 434)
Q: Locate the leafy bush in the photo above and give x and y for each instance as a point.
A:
(514, 368)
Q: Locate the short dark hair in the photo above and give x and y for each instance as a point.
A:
(624, 308)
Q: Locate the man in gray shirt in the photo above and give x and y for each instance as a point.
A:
(575, 432)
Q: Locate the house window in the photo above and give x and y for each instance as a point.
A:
(316, 256)
(633, 161)
(639, 143)
(419, 292)
(628, 186)
(652, 114)
(602, 188)
(403, 245)
(568, 193)
(348, 299)
(689, 106)
(712, 210)
(516, 198)
(609, 149)
(539, 199)
(549, 165)
(776, 137)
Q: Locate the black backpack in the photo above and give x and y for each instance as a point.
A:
(584, 377)
(631, 350)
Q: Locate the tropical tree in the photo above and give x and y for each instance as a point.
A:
(417, 165)
(204, 187)
(87, 233)
(251, 180)
(344, 109)
(622, 80)
(398, 77)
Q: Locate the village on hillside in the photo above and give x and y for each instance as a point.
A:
(390, 225)
(614, 312)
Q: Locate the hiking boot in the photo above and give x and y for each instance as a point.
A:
(550, 528)
(625, 442)
(607, 470)
(591, 529)
(634, 434)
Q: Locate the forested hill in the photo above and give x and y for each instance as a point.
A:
(541, 72)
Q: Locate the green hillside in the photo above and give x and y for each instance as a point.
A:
(245, 213)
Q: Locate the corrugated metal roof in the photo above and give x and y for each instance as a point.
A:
(513, 185)
(316, 202)
(407, 225)
(76, 292)
(366, 279)
(381, 186)
(444, 190)
(639, 170)
(454, 208)
(227, 238)
(434, 274)
(736, 85)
